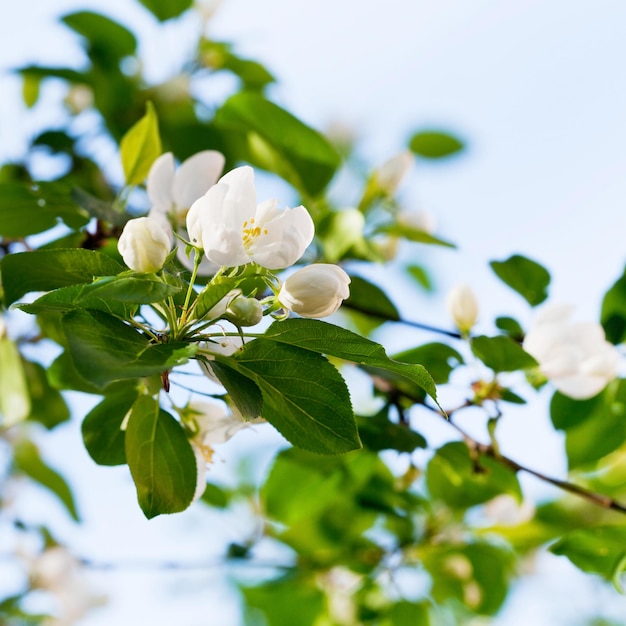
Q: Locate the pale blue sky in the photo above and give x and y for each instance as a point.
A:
(538, 90)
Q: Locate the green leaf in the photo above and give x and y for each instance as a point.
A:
(461, 482)
(47, 405)
(43, 270)
(140, 146)
(421, 276)
(15, 404)
(511, 327)
(286, 602)
(334, 341)
(243, 391)
(304, 396)
(438, 358)
(379, 433)
(501, 353)
(105, 349)
(215, 496)
(28, 460)
(525, 276)
(405, 613)
(27, 209)
(435, 144)
(597, 550)
(166, 9)
(214, 292)
(367, 298)
(410, 233)
(594, 427)
(98, 208)
(613, 316)
(30, 90)
(475, 574)
(160, 459)
(108, 41)
(271, 138)
(102, 432)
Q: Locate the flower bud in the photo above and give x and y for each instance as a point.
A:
(463, 307)
(244, 311)
(390, 174)
(144, 244)
(315, 291)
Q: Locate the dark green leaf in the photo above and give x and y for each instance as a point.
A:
(438, 358)
(271, 138)
(30, 209)
(64, 73)
(367, 298)
(613, 314)
(47, 405)
(461, 481)
(511, 327)
(160, 458)
(243, 391)
(502, 354)
(332, 340)
(379, 433)
(525, 276)
(29, 461)
(102, 432)
(140, 147)
(43, 270)
(597, 550)
(107, 40)
(105, 349)
(304, 396)
(166, 9)
(435, 144)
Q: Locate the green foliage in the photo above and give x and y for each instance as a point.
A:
(525, 276)
(462, 479)
(30, 209)
(273, 139)
(593, 428)
(435, 144)
(160, 458)
(15, 404)
(502, 354)
(166, 9)
(43, 270)
(613, 313)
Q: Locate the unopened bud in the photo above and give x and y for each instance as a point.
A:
(244, 312)
(463, 307)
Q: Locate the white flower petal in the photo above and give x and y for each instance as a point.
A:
(196, 176)
(160, 181)
(144, 244)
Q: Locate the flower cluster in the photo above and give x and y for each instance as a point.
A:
(223, 221)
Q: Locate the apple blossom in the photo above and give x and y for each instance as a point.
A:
(575, 357)
(462, 307)
(213, 424)
(224, 346)
(316, 290)
(144, 244)
(390, 174)
(173, 190)
(233, 230)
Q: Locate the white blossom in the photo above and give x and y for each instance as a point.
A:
(144, 244)
(214, 424)
(462, 307)
(421, 220)
(173, 190)
(233, 230)
(316, 290)
(574, 356)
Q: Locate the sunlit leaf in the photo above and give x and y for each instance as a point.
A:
(501, 353)
(140, 147)
(435, 144)
(15, 404)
